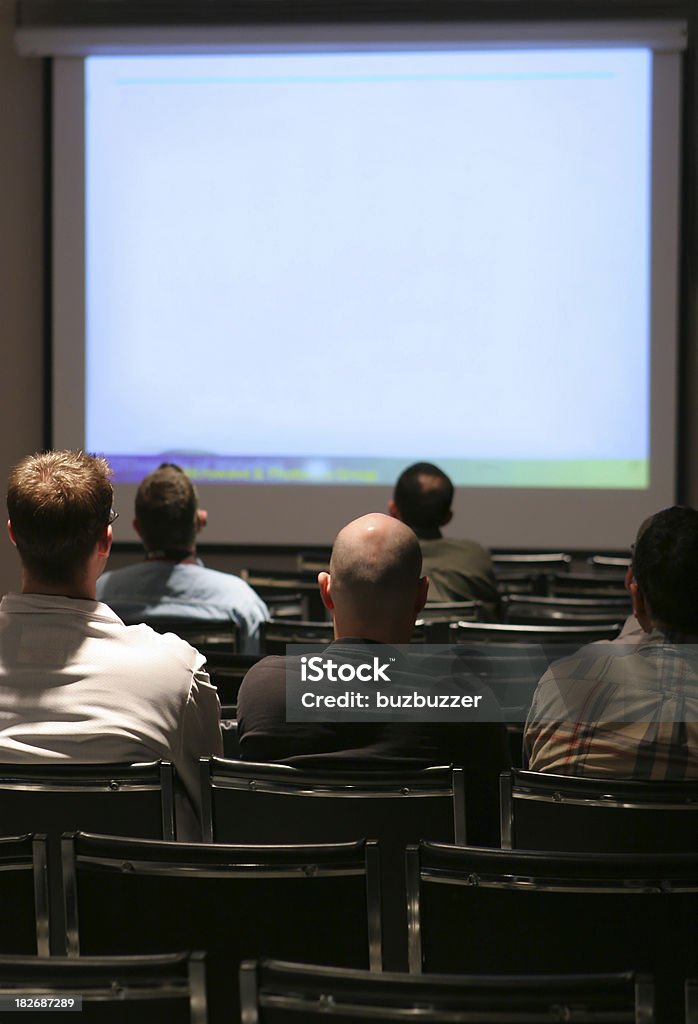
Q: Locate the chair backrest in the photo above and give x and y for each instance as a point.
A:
(167, 989)
(279, 585)
(572, 636)
(589, 584)
(206, 635)
(557, 561)
(435, 618)
(231, 738)
(262, 803)
(277, 633)
(529, 609)
(616, 564)
(274, 992)
(315, 903)
(511, 670)
(117, 799)
(529, 911)
(227, 669)
(24, 897)
(540, 811)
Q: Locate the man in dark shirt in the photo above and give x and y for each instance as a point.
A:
(458, 570)
(374, 591)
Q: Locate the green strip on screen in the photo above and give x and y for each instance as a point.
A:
(622, 474)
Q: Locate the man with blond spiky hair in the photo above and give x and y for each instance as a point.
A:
(76, 684)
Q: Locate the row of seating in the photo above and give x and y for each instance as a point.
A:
(469, 910)
(243, 802)
(295, 593)
(277, 804)
(171, 989)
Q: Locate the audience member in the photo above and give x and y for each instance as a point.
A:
(173, 582)
(76, 684)
(374, 591)
(458, 570)
(629, 707)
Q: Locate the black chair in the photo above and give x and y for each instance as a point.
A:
(281, 587)
(615, 564)
(277, 633)
(227, 670)
(484, 911)
(207, 636)
(231, 739)
(557, 561)
(264, 803)
(572, 636)
(117, 799)
(558, 812)
(528, 574)
(315, 903)
(692, 1001)
(24, 896)
(590, 584)
(436, 616)
(108, 990)
(531, 610)
(273, 992)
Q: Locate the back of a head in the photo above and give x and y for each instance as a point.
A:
(58, 503)
(665, 568)
(375, 568)
(166, 507)
(423, 495)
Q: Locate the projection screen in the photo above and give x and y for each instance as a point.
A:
(298, 260)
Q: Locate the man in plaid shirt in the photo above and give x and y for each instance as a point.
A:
(628, 708)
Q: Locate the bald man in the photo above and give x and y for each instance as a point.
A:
(374, 592)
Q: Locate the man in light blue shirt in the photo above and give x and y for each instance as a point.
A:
(173, 582)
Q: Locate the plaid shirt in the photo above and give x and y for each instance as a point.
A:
(626, 708)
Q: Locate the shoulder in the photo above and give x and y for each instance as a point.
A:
(218, 583)
(266, 672)
(165, 649)
(126, 576)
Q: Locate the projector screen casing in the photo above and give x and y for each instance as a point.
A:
(312, 514)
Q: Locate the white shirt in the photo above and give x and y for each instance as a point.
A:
(76, 684)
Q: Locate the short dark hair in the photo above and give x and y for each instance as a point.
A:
(665, 568)
(58, 503)
(423, 495)
(166, 506)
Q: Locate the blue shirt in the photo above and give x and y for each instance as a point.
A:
(160, 589)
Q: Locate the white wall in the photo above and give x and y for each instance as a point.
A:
(21, 265)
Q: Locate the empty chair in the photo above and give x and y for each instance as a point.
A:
(280, 587)
(227, 669)
(213, 635)
(117, 799)
(541, 811)
(273, 992)
(528, 573)
(435, 618)
(315, 903)
(268, 803)
(167, 989)
(476, 910)
(231, 741)
(24, 897)
(276, 634)
(556, 561)
(529, 609)
(609, 563)
(590, 584)
(571, 636)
